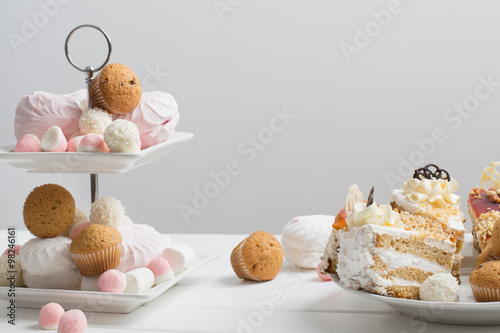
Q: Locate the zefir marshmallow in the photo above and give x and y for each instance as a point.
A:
(54, 140)
(139, 280)
(28, 143)
(179, 256)
(161, 269)
(93, 143)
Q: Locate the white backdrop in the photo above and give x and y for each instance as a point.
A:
(300, 99)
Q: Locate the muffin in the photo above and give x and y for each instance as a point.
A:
(258, 257)
(116, 89)
(485, 281)
(49, 210)
(96, 249)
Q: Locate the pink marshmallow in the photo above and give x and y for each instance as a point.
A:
(77, 228)
(17, 250)
(112, 281)
(161, 269)
(73, 321)
(49, 316)
(74, 142)
(93, 143)
(322, 276)
(28, 143)
(54, 140)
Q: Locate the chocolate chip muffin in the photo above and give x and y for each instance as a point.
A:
(116, 89)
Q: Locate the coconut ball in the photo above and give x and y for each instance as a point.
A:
(440, 287)
(94, 121)
(109, 212)
(122, 136)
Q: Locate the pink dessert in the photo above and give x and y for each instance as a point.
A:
(74, 142)
(112, 281)
(156, 117)
(73, 321)
(161, 269)
(15, 251)
(92, 143)
(77, 228)
(322, 276)
(54, 140)
(28, 143)
(49, 316)
(140, 244)
(39, 111)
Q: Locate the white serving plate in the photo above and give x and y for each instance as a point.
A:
(94, 301)
(464, 312)
(97, 163)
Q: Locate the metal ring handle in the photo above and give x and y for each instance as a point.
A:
(87, 68)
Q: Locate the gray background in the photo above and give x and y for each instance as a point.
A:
(355, 121)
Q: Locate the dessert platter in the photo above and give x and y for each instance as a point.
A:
(95, 301)
(415, 255)
(102, 261)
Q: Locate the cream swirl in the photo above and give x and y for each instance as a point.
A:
(438, 192)
(382, 215)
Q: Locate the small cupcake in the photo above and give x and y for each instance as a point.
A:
(258, 257)
(49, 210)
(485, 282)
(116, 89)
(96, 249)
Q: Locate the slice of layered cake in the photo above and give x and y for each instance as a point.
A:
(428, 203)
(484, 209)
(370, 249)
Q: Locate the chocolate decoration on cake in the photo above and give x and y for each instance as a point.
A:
(426, 173)
(369, 201)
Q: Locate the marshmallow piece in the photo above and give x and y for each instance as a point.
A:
(15, 251)
(161, 269)
(89, 283)
(112, 281)
(54, 140)
(77, 227)
(179, 256)
(93, 143)
(139, 280)
(74, 142)
(324, 277)
(73, 321)
(49, 316)
(28, 143)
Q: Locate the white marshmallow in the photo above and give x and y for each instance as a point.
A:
(139, 280)
(54, 140)
(179, 256)
(89, 283)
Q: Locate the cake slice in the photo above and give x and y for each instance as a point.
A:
(389, 261)
(383, 251)
(429, 197)
(483, 204)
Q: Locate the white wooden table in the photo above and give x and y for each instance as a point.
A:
(213, 299)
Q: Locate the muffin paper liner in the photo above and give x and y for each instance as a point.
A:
(96, 97)
(93, 264)
(482, 294)
(239, 265)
